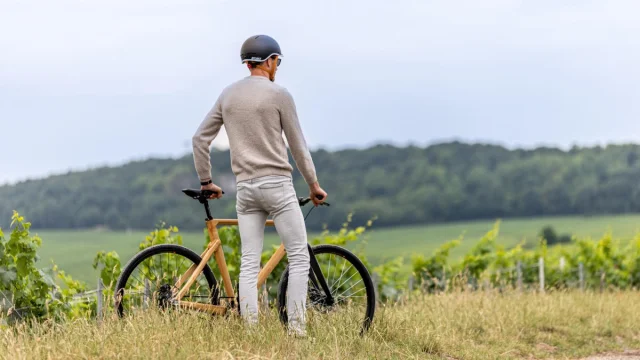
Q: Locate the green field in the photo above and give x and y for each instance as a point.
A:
(73, 251)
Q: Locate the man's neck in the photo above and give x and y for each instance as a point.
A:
(259, 72)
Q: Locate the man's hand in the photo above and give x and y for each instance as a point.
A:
(316, 191)
(213, 187)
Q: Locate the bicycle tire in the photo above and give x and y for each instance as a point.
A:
(355, 262)
(160, 249)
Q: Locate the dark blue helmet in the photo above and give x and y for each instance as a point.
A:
(259, 48)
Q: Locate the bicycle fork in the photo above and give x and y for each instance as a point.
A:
(317, 278)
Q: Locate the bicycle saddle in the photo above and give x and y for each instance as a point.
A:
(200, 195)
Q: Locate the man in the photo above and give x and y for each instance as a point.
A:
(256, 112)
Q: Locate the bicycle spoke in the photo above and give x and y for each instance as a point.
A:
(356, 292)
(157, 279)
(338, 287)
(329, 271)
(314, 285)
(336, 269)
(359, 281)
(341, 273)
(349, 297)
(140, 282)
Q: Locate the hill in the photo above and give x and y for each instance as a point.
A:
(400, 185)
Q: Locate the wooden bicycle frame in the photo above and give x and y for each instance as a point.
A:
(215, 249)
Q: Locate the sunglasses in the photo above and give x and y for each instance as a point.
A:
(278, 62)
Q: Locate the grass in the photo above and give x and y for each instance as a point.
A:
(74, 251)
(459, 325)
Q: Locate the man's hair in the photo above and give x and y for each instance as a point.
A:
(254, 64)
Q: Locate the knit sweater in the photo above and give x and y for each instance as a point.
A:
(255, 113)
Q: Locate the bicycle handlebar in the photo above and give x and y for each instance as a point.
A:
(203, 196)
(305, 201)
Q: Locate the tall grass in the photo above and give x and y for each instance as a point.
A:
(461, 325)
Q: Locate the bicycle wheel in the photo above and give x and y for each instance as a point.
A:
(149, 280)
(352, 299)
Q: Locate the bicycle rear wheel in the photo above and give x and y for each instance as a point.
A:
(352, 299)
(149, 280)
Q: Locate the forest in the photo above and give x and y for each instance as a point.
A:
(442, 182)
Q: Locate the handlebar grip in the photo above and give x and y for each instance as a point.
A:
(305, 201)
(208, 193)
(320, 197)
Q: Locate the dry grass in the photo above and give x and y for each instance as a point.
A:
(458, 325)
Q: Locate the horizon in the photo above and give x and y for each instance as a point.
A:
(151, 157)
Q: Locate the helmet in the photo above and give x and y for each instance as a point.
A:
(259, 48)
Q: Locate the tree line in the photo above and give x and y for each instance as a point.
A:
(397, 185)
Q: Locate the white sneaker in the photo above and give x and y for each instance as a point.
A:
(297, 332)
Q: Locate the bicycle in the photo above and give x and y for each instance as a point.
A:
(326, 289)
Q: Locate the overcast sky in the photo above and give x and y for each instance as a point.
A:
(88, 83)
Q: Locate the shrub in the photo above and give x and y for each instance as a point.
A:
(27, 291)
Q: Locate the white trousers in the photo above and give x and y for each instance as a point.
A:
(256, 199)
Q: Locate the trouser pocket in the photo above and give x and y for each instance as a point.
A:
(272, 194)
(244, 198)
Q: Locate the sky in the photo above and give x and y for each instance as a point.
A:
(92, 83)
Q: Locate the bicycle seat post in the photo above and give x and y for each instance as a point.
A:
(205, 202)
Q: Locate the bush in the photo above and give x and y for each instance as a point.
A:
(606, 261)
(552, 238)
(27, 291)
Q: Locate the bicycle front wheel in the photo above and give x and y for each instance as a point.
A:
(151, 280)
(352, 300)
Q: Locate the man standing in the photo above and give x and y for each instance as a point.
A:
(256, 112)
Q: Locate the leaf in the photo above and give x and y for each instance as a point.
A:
(22, 264)
(8, 275)
(47, 279)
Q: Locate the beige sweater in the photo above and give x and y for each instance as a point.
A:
(255, 112)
